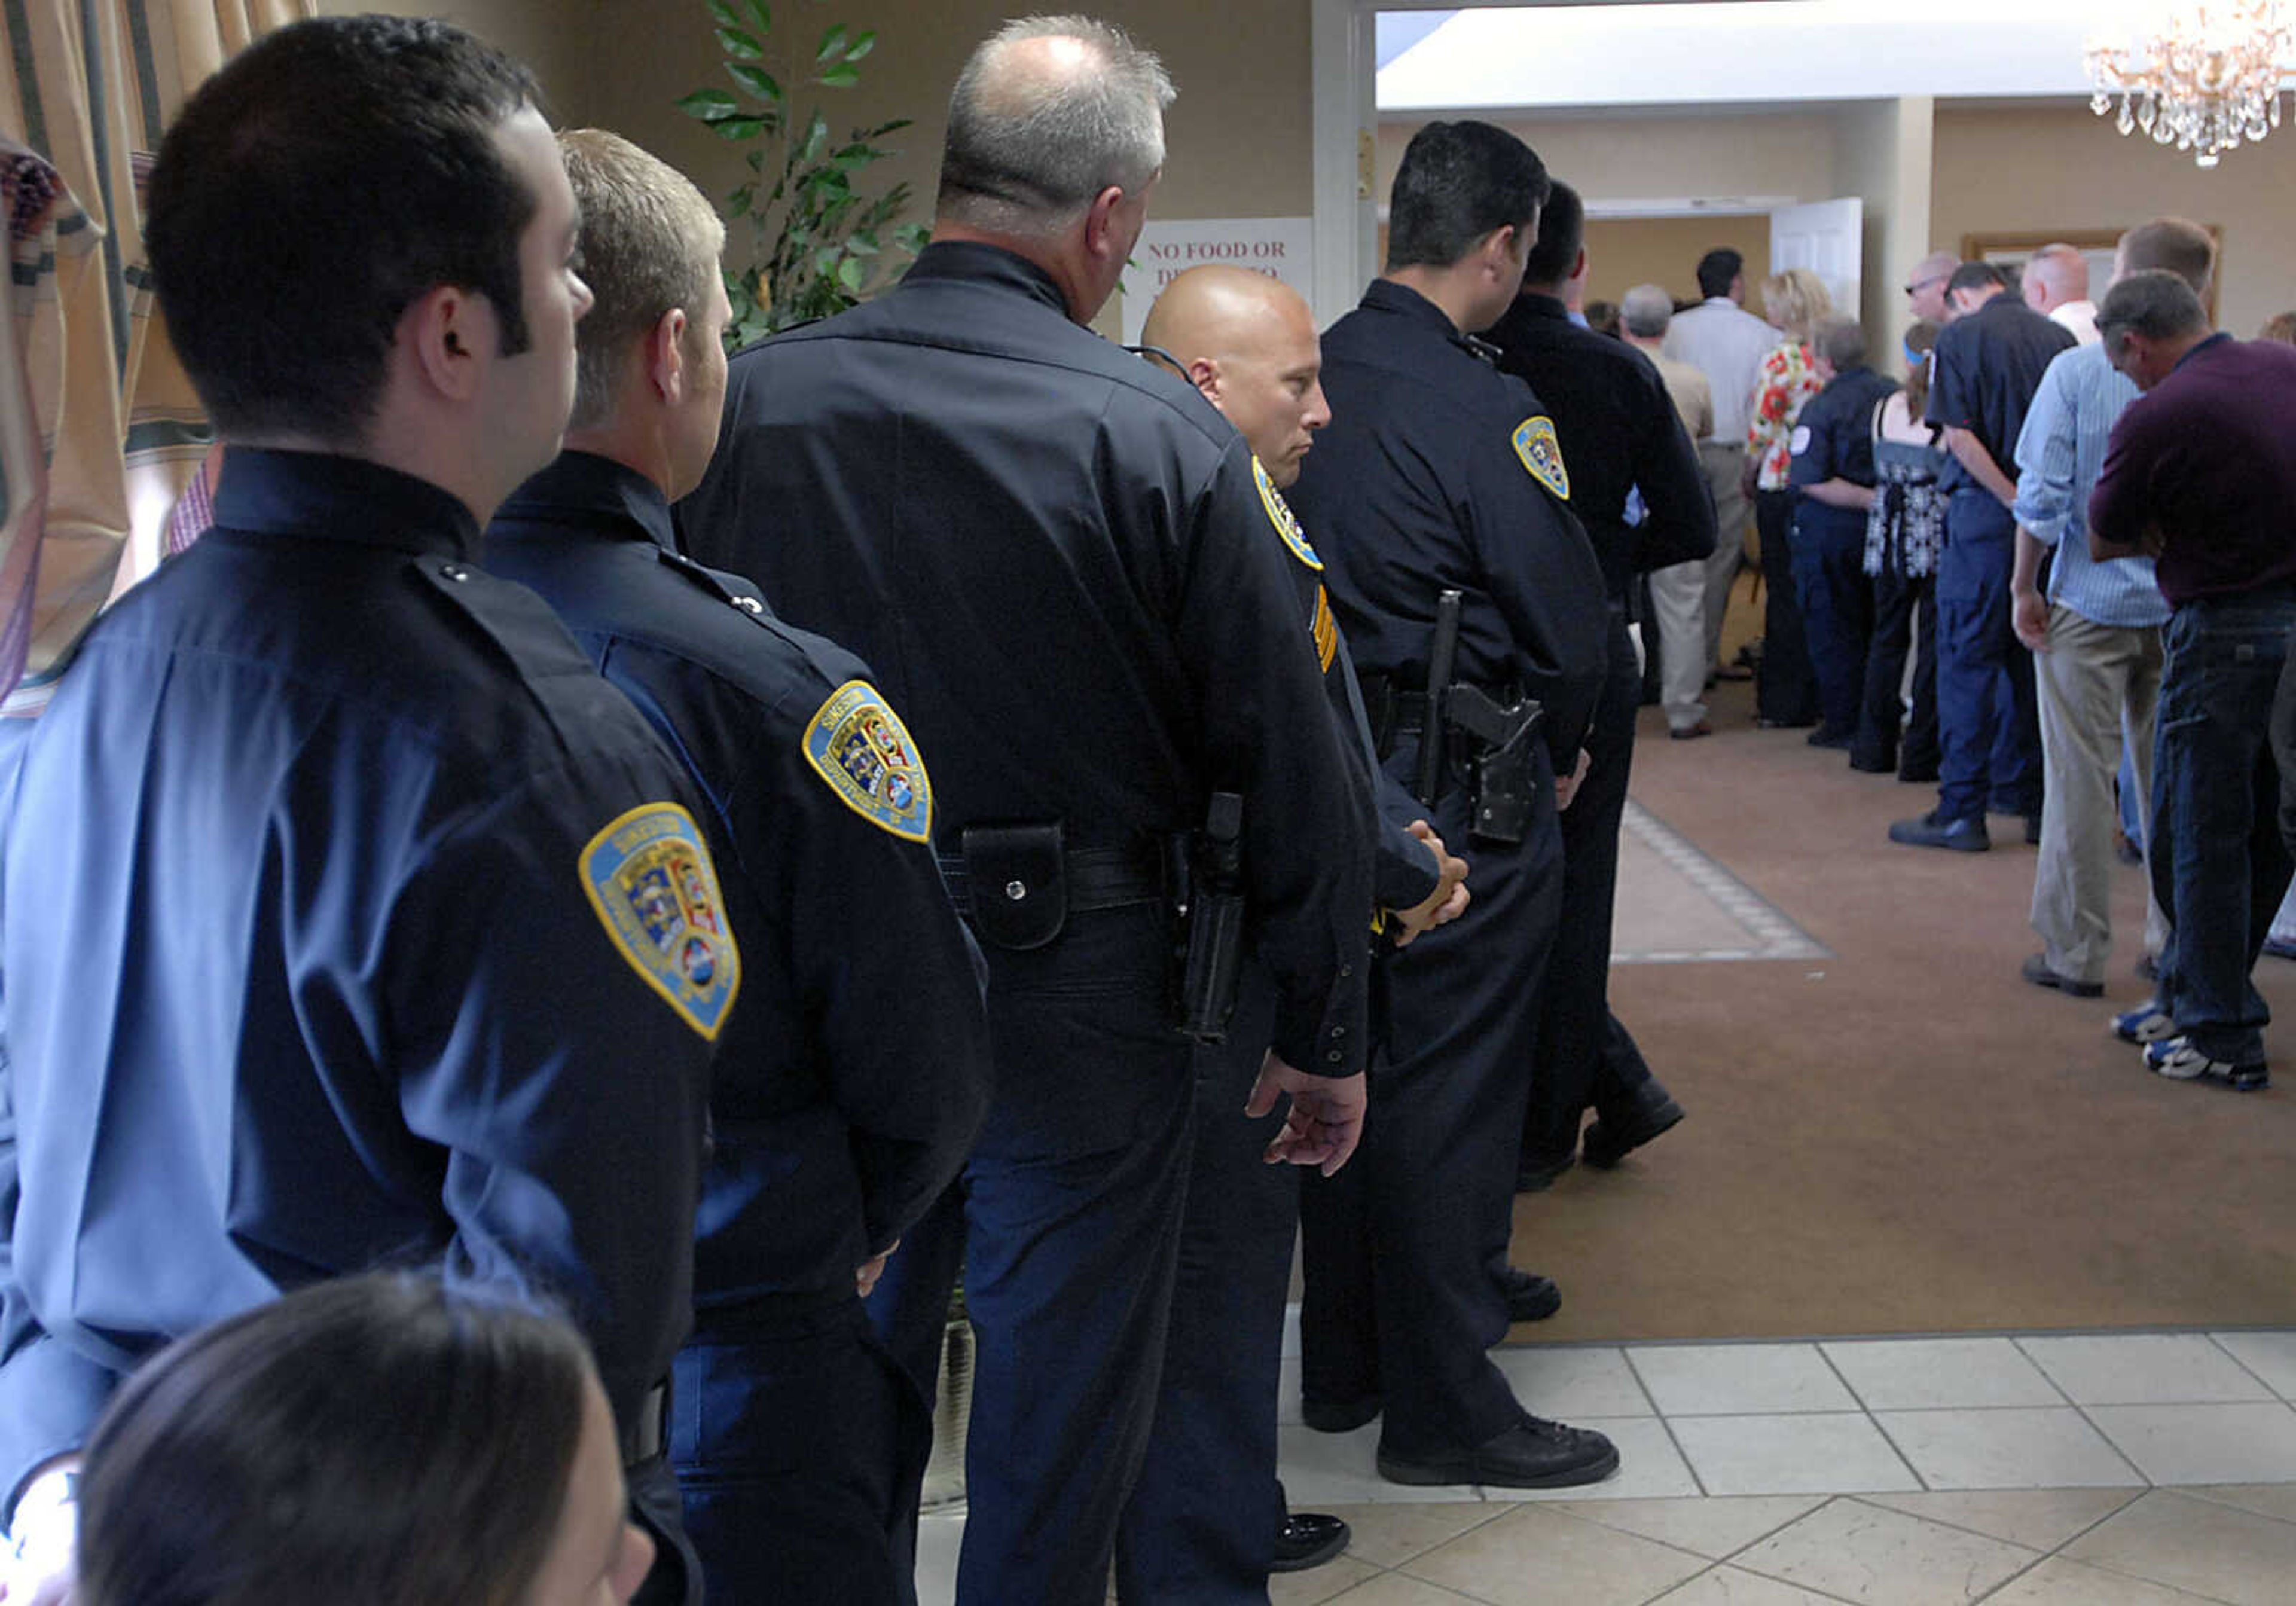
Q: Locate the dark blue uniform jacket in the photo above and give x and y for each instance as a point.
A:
(846, 1093)
(1833, 439)
(313, 884)
(1059, 562)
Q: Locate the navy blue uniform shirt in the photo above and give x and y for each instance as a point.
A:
(348, 917)
(1983, 372)
(1058, 560)
(1619, 429)
(1437, 470)
(848, 1090)
(1833, 439)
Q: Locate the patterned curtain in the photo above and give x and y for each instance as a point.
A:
(100, 436)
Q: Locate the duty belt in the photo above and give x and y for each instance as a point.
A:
(1098, 878)
(648, 1434)
(1397, 713)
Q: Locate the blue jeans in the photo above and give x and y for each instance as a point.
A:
(1837, 608)
(1988, 722)
(2218, 863)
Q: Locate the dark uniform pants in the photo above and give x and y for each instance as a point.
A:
(1072, 1204)
(1988, 720)
(795, 1437)
(1785, 693)
(1398, 1247)
(1900, 605)
(1837, 608)
(1200, 1526)
(675, 1578)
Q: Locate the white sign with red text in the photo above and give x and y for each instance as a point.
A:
(1278, 247)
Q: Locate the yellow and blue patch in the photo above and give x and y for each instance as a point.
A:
(861, 748)
(650, 878)
(1286, 522)
(1542, 454)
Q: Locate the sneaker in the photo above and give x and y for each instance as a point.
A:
(2148, 1022)
(2176, 1059)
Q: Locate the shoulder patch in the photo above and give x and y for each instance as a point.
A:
(1542, 454)
(1798, 441)
(1286, 522)
(651, 879)
(861, 748)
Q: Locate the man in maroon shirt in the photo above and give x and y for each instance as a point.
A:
(2201, 473)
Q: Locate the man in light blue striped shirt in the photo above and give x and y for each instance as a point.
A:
(2096, 638)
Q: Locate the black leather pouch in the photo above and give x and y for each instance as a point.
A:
(1017, 884)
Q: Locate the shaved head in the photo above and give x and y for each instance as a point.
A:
(2053, 275)
(1925, 285)
(1248, 342)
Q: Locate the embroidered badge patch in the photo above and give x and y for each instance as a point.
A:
(1280, 514)
(1798, 441)
(1326, 630)
(861, 748)
(650, 878)
(1542, 454)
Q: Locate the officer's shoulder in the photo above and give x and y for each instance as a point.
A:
(719, 622)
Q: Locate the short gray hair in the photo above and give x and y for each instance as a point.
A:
(2156, 304)
(1644, 311)
(1841, 342)
(1031, 141)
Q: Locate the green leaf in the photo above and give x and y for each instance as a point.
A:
(863, 42)
(740, 43)
(863, 243)
(756, 159)
(759, 14)
(724, 12)
(825, 261)
(740, 127)
(708, 104)
(840, 77)
(738, 202)
(850, 272)
(816, 139)
(757, 81)
(832, 43)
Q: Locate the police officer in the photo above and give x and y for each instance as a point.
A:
(348, 915)
(1832, 474)
(1438, 472)
(1208, 1505)
(849, 1089)
(1060, 562)
(1618, 431)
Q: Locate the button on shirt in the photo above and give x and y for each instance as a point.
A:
(309, 953)
(1983, 372)
(2060, 450)
(1726, 343)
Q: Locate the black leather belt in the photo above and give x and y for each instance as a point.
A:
(1097, 877)
(646, 1436)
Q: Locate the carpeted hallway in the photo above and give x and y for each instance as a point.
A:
(1889, 1130)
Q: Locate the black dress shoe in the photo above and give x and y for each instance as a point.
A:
(1308, 1539)
(1606, 1145)
(1872, 764)
(1530, 1297)
(1828, 735)
(1340, 1415)
(1920, 776)
(1534, 1454)
(1537, 1176)
(1933, 829)
(2035, 969)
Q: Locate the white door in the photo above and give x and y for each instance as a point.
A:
(1826, 237)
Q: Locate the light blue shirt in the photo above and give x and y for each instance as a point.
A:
(2060, 451)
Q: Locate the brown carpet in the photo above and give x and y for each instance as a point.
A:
(1904, 1137)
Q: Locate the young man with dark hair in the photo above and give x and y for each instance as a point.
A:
(2201, 473)
(847, 1094)
(1436, 465)
(413, 944)
(1618, 433)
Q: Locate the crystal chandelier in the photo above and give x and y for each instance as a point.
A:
(2202, 78)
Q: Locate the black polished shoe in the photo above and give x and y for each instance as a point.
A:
(2032, 831)
(1340, 1415)
(1933, 829)
(1308, 1539)
(1872, 764)
(2035, 969)
(1606, 1145)
(1537, 1176)
(1534, 1454)
(1530, 1297)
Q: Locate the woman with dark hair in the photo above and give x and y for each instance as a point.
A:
(368, 1442)
(1903, 531)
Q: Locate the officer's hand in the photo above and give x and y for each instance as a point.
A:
(1567, 786)
(35, 1563)
(865, 1275)
(1447, 903)
(2030, 614)
(1325, 1121)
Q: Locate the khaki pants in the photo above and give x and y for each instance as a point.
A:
(2098, 684)
(1690, 599)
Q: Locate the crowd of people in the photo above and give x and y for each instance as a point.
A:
(503, 842)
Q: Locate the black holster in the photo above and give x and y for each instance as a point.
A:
(1503, 774)
(1214, 923)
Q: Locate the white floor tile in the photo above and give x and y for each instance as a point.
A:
(1839, 1452)
(2044, 1447)
(2143, 1369)
(2057, 1582)
(1863, 1552)
(2209, 1550)
(2205, 1444)
(1733, 1586)
(1567, 1383)
(1939, 1374)
(1714, 1526)
(2271, 1355)
(1650, 1468)
(1719, 1380)
(1321, 1470)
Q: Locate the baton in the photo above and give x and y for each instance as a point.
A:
(1439, 664)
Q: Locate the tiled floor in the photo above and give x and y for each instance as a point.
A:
(2128, 1469)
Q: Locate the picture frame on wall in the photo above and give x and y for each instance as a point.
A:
(2012, 249)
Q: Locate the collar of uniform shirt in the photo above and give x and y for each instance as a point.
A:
(586, 488)
(974, 261)
(313, 495)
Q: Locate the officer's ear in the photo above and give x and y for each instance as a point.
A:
(665, 356)
(445, 333)
(1204, 374)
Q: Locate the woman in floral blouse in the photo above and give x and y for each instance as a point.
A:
(1795, 302)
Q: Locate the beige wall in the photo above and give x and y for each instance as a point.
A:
(552, 36)
(2046, 168)
(1622, 252)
